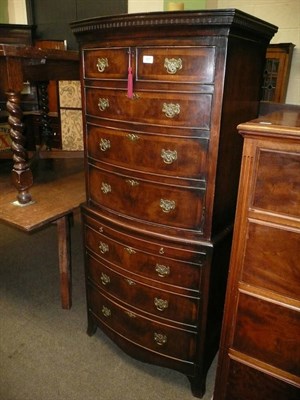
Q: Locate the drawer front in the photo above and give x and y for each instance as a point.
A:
(264, 268)
(176, 64)
(277, 186)
(136, 257)
(106, 63)
(142, 331)
(166, 155)
(158, 302)
(159, 108)
(146, 200)
(268, 332)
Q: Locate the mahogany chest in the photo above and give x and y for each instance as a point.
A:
(260, 347)
(162, 96)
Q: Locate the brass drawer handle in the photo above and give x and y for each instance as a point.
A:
(130, 314)
(161, 304)
(162, 270)
(168, 156)
(167, 205)
(173, 65)
(103, 247)
(105, 279)
(103, 104)
(105, 188)
(104, 144)
(106, 311)
(130, 250)
(171, 110)
(102, 63)
(133, 137)
(160, 338)
(132, 182)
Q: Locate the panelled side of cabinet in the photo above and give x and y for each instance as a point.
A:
(259, 354)
(162, 96)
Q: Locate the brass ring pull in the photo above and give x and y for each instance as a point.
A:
(161, 304)
(173, 65)
(167, 205)
(104, 144)
(171, 110)
(103, 104)
(102, 63)
(160, 338)
(168, 156)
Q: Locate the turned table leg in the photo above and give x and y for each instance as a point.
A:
(21, 174)
(64, 255)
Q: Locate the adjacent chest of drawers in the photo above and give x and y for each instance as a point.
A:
(260, 347)
(162, 96)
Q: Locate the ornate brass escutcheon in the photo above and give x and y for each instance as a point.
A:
(162, 270)
(130, 250)
(104, 144)
(102, 63)
(167, 205)
(105, 188)
(160, 338)
(132, 182)
(171, 110)
(103, 247)
(103, 104)
(169, 156)
(133, 137)
(130, 282)
(130, 314)
(161, 304)
(173, 65)
(105, 279)
(106, 311)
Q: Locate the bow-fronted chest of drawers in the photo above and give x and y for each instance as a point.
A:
(162, 96)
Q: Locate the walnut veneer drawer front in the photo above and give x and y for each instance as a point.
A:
(143, 331)
(106, 63)
(147, 200)
(176, 64)
(166, 155)
(159, 108)
(140, 258)
(277, 186)
(281, 325)
(126, 287)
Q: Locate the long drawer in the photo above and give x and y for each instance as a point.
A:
(167, 204)
(192, 110)
(154, 261)
(160, 303)
(167, 155)
(141, 330)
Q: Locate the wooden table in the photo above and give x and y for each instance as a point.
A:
(58, 191)
(26, 63)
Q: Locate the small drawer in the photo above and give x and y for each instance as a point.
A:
(176, 64)
(145, 260)
(145, 332)
(126, 287)
(167, 204)
(104, 63)
(176, 110)
(166, 155)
